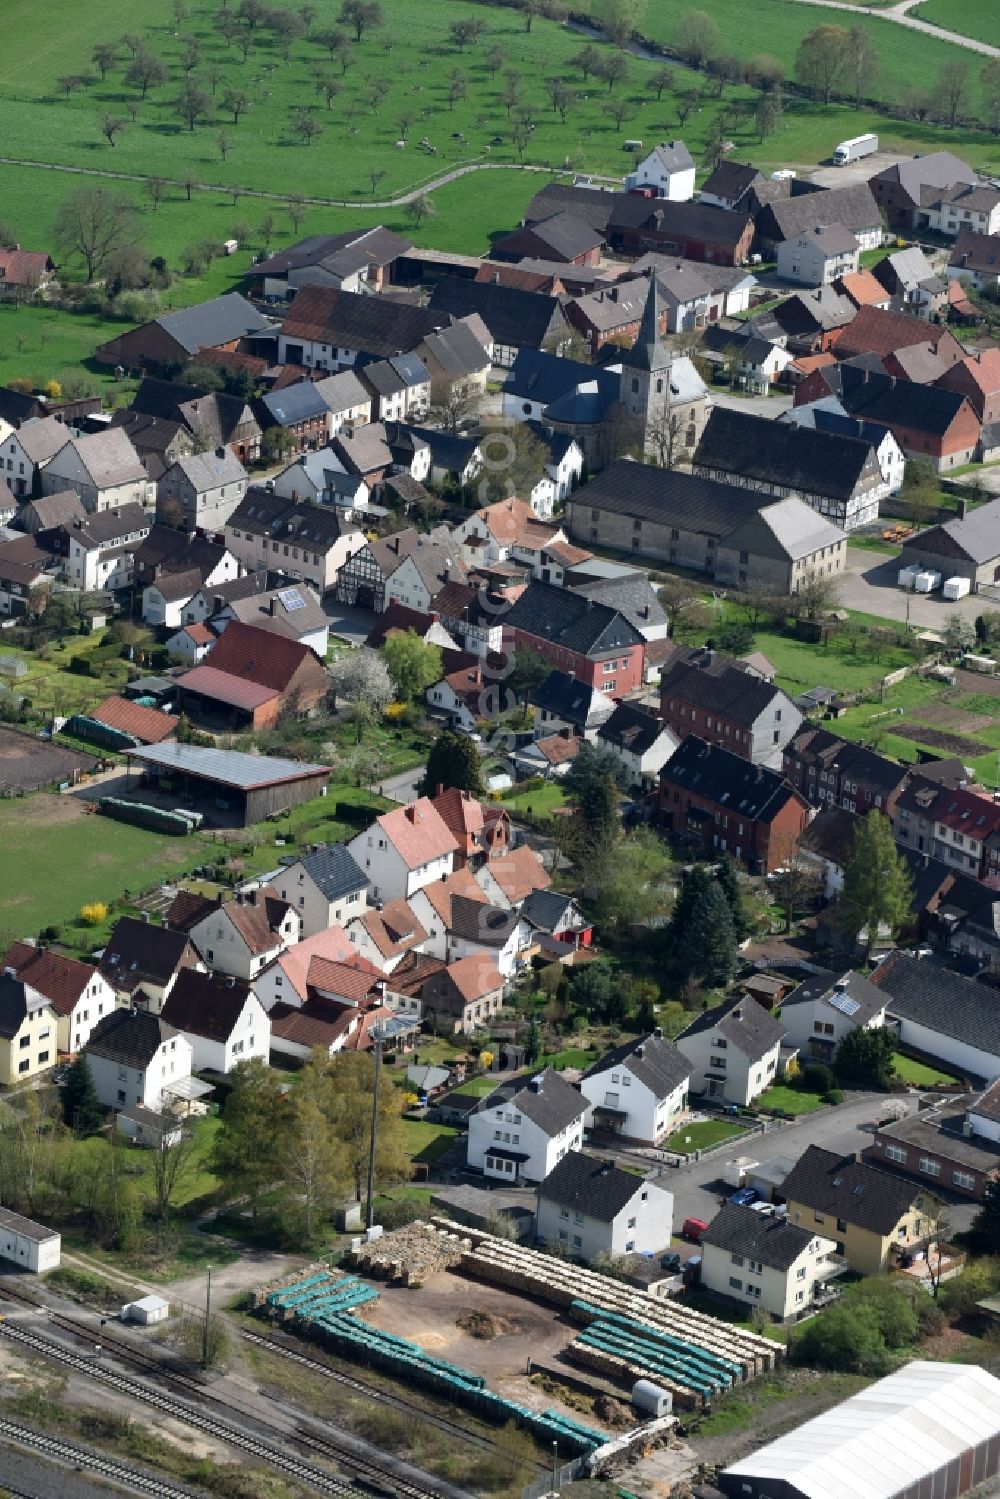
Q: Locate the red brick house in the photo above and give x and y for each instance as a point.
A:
(694, 231)
(716, 800)
(564, 239)
(875, 331)
(578, 635)
(977, 378)
(251, 677)
(927, 421)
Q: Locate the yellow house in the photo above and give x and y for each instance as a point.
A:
(869, 1214)
(27, 1031)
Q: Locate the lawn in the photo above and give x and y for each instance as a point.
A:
(789, 1100)
(976, 18)
(195, 1180)
(571, 1057)
(477, 1087)
(541, 802)
(919, 1073)
(691, 1137)
(427, 1142)
(921, 702)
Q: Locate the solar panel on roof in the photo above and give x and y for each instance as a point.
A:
(291, 599)
(844, 1003)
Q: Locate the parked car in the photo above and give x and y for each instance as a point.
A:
(693, 1228)
(670, 1262)
(744, 1197)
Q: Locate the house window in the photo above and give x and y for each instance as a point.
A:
(963, 1179)
(735, 1284)
(895, 1153)
(929, 1166)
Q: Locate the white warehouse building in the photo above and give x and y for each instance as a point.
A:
(28, 1245)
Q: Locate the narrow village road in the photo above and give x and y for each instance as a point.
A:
(900, 15)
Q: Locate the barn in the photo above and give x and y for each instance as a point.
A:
(245, 788)
(927, 1430)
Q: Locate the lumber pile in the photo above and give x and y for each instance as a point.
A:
(412, 1254)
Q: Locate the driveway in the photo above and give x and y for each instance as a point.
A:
(695, 1187)
(402, 787)
(870, 585)
(769, 406)
(352, 625)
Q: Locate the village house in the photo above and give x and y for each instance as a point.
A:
(100, 548)
(977, 378)
(556, 921)
(104, 469)
(828, 770)
(472, 617)
(240, 937)
(293, 419)
(176, 338)
(511, 879)
(307, 967)
(25, 452)
(460, 922)
(746, 357)
(310, 543)
(713, 798)
(728, 184)
(507, 531)
(665, 172)
(954, 1144)
(328, 329)
(873, 1217)
(825, 1008)
(639, 741)
(520, 1132)
(550, 757)
(819, 255)
(915, 288)
(926, 420)
(136, 1058)
(889, 335)
(463, 997)
(837, 476)
(695, 231)
(77, 992)
(564, 705)
(357, 260)
(587, 1207)
(44, 515)
(482, 829)
(141, 961)
(319, 477)
(222, 1020)
(733, 1050)
(171, 581)
(400, 387)
(975, 258)
(864, 289)
(201, 490)
(965, 206)
(292, 611)
(28, 1025)
(903, 190)
(432, 563)
(638, 1091)
(728, 288)
(958, 826)
(966, 547)
(515, 319)
(624, 587)
(813, 320)
(613, 315)
(404, 850)
(590, 640)
(940, 1014)
(385, 937)
(364, 580)
(565, 239)
(23, 570)
(849, 208)
(324, 887)
(23, 272)
(167, 419)
(253, 676)
(766, 1262)
(714, 697)
(457, 358)
(828, 415)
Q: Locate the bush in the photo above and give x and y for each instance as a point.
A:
(843, 1338)
(834, 1096)
(79, 666)
(815, 1077)
(93, 913)
(53, 390)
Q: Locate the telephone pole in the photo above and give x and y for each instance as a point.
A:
(208, 1319)
(377, 1057)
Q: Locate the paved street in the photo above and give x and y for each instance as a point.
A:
(769, 406)
(870, 585)
(401, 788)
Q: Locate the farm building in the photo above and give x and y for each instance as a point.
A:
(244, 788)
(28, 1244)
(926, 1429)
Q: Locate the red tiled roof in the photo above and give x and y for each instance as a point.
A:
(983, 369)
(226, 688)
(62, 980)
(864, 289)
(257, 655)
(148, 725)
(23, 267)
(875, 331)
(806, 363)
(186, 909)
(440, 893)
(417, 832)
(475, 976)
(331, 945)
(512, 522)
(258, 917)
(342, 980)
(394, 929)
(199, 633)
(557, 749)
(462, 812)
(519, 872)
(399, 617)
(572, 556)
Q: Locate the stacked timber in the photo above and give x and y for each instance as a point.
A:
(412, 1254)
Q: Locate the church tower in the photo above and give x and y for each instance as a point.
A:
(663, 398)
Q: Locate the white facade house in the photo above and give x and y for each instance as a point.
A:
(136, 1058)
(766, 1261)
(384, 937)
(640, 743)
(818, 1014)
(26, 451)
(460, 922)
(165, 602)
(588, 1207)
(240, 937)
(521, 1131)
(324, 888)
(818, 256)
(638, 1090)
(100, 548)
(79, 994)
(222, 1020)
(349, 403)
(104, 469)
(966, 206)
(982, 1118)
(201, 490)
(668, 169)
(404, 850)
(942, 1015)
(734, 1050)
(288, 979)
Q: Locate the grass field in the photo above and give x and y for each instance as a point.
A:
(194, 1182)
(789, 1100)
(540, 802)
(977, 18)
(920, 1074)
(427, 1142)
(691, 1137)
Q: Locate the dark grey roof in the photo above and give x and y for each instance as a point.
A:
(569, 699)
(17, 1001)
(937, 169)
(670, 497)
(293, 403)
(631, 594)
(130, 1037)
(730, 179)
(476, 921)
(631, 729)
(652, 1060)
(536, 376)
(719, 776)
(210, 324)
(546, 908)
(138, 952)
(884, 399)
(744, 1023)
(338, 253)
(843, 1187)
(107, 527)
(333, 870)
(721, 685)
(205, 1004)
(976, 252)
(700, 221)
(281, 519)
(565, 232)
(352, 320)
(547, 1099)
(592, 204)
(929, 995)
(773, 1241)
(448, 450)
(851, 994)
(457, 350)
(514, 317)
(977, 536)
(782, 455)
(852, 207)
(598, 1189)
(565, 618)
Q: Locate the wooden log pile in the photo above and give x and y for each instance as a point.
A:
(412, 1254)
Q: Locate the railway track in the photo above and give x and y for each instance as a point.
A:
(88, 1462)
(188, 1405)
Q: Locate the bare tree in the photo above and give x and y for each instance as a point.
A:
(92, 223)
(306, 126)
(171, 1161)
(420, 209)
(458, 87)
(951, 90)
(146, 71)
(236, 101)
(112, 126)
(936, 1223)
(296, 209)
(376, 174)
(156, 187)
(104, 56)
(224, 144)
(192, 104)
(454, 402)
(363, 15)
